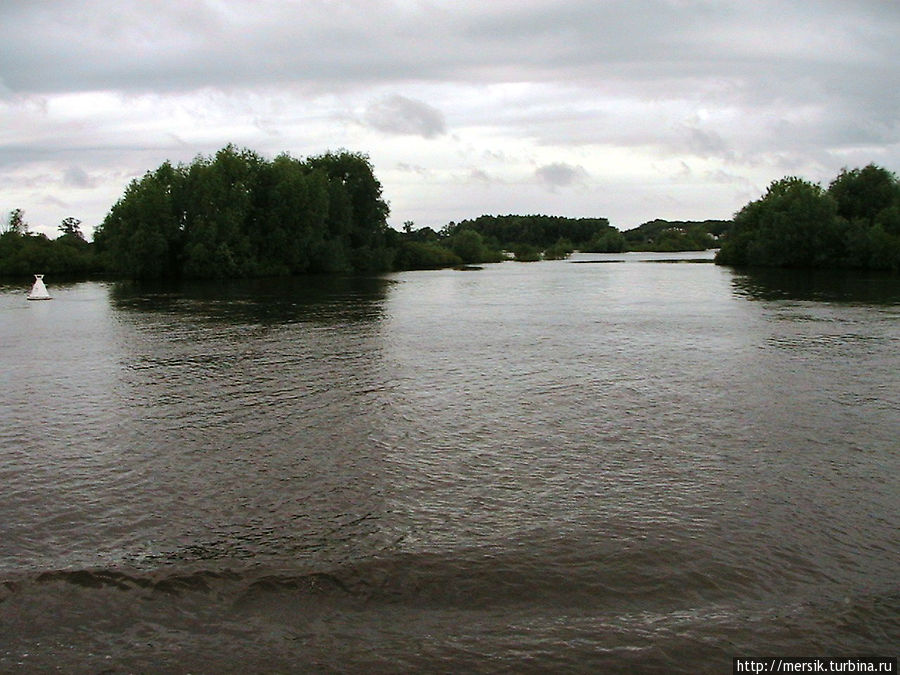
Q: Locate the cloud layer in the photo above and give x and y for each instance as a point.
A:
(397, 114)
(630, 110)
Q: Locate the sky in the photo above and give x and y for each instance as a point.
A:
(626, 109)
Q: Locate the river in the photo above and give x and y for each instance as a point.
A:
(636, 462)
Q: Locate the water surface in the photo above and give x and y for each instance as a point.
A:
(547, 466)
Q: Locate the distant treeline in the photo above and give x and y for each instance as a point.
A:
(238, 215)
(526, 238)
(677, 235)
(855, 223)
(131, 246)
(533, 237)
(23, 253)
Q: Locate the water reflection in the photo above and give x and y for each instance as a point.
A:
(635, 450)
(845, 286)
(255, 400)
(307, 299)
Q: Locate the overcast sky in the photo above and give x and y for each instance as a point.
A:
(628, 109)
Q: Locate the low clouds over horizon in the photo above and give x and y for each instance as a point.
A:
(560, 174)
(397, 114)
(630, 110)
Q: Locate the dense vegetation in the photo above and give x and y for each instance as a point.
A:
(237, 215)
(424, 248)
(486, 238)
(22, 253)
(855, 223)
(539, 232)
(678, 235)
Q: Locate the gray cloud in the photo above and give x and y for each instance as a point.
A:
(757, 57)
(397, 114)
(748, 88)
(706, 143)
(660, 44)
(77, 177)
(53, 201)
(417, 169)
(479, 176)
(560, 174)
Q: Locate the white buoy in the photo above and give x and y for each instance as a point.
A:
(39, 291)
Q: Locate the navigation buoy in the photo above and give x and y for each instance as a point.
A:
(39, 291)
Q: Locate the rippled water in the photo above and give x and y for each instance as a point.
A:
(617, 465)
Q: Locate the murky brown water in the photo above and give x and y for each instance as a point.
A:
(552, 466)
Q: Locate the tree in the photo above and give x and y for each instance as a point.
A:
(469, 246)
(357, 212)
(792, 225)
(71, 227)
(611, 241)
(353, 173)
(415, 255)
(237, 215)
(678, 235)
(855, 223)
(540, 231)
(16, 223)
(142, 235)
(561, 250)
(865, 193)
(218, 195)
(526, 253)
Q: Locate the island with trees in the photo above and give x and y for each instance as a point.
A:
(236, 214)
(854, 223)
(680, 235)
(525, 237)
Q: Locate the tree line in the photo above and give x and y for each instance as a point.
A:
(22, 252)
(854, 223)
(491, 238)
(235, 214)
(677, 235)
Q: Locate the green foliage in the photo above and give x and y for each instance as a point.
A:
(426, 249)
(417, 255)
(611, 241)
(364, 210)
(24, 254)
(27, 254)
(664, 235)
(16, 223)
(863, 194)
(855, 223)
(484, 239)
(143, 234)
(71, 227)
(512, 232)
(423, 234)
(238, 215)
(469, 246)
(526, 253)
(561, 250)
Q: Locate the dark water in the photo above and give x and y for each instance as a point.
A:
(549, 467)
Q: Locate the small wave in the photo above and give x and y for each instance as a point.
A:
(652, 603)
(613, 575)
(126, 581)
(649, 575)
